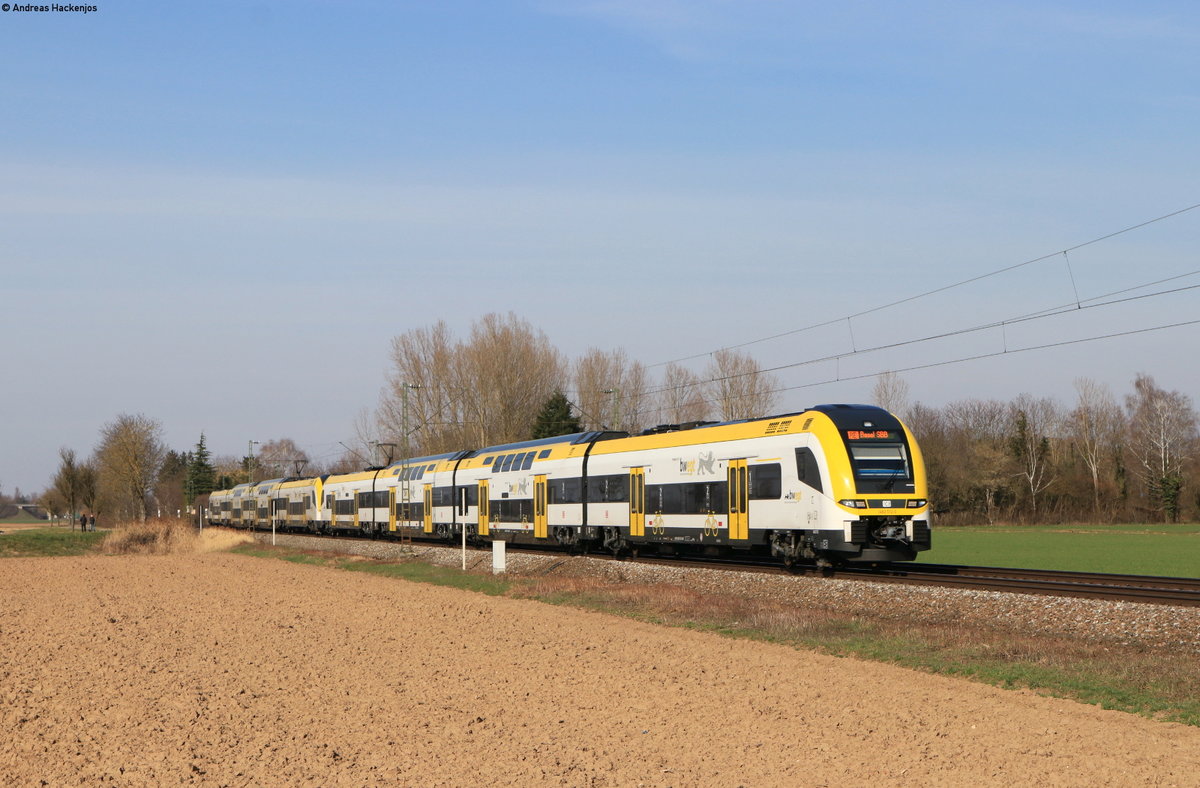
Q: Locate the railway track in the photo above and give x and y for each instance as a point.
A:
(1090, 585)
(1181, 591)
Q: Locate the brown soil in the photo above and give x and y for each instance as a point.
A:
(230, 670)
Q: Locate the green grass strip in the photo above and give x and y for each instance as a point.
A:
(43, 542)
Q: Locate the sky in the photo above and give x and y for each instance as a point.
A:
(219, 214)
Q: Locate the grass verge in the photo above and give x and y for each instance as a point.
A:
(35, 542)
(165, 536)
(1157, 683)
(1137, 549)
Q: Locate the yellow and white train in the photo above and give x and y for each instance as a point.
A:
(833, 484)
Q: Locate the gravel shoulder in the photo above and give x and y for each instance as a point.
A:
(230, 670)
(1119, 623)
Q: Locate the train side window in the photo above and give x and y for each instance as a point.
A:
(653, 501)
(665, 498)
(528, 462)
(616, 489)
(565, 490)
(808, 470)
(765, 482)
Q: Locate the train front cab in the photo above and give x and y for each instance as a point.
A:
(876, 487)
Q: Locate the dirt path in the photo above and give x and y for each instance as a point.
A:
(226, 670)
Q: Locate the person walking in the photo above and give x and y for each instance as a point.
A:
(82, 523)
(92, 522)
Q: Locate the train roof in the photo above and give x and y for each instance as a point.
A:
(450, 455)
(850, 417)
(844, 416)
(266, 484)
(572, 438)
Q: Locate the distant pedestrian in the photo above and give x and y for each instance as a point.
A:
(92, 522)
(82, 523)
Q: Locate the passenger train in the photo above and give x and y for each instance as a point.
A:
(830, 485)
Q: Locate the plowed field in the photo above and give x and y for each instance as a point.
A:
(220, 669)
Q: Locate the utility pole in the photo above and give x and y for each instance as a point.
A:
(404, 388)
(250, 461)
(614, 424)
(405, 488)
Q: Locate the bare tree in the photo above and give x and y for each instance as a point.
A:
(891, 393)
(682, 396)
(227, 471)
(454, 395)
(507, 369)
(1162, 437)
(67, 485)
(1034, 420)
(421, 406)
(128, 459)
(611, 391)
(348, 461)
(89, 486)
(1095, 430)
(981, 468)
(738, 387)
(281, 457)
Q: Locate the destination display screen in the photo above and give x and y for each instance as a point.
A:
(871, 435)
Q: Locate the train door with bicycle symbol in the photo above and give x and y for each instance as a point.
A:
(539, 506)
(637, 501)
(739, 500)
(427, 512)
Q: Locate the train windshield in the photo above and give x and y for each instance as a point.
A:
(885, 463)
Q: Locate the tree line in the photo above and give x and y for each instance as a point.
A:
(1039, 460)
(1032, 459)
(444, 394)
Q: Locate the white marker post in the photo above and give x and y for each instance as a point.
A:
(499, 557)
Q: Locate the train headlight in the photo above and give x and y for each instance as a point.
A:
(853, 503)
(916, 503)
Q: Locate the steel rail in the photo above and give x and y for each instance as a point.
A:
(1182, 591)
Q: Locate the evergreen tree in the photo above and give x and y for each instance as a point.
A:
(201, 476)
(555, 418)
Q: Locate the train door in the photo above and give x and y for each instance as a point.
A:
(427, 511)
(539, 506)
(739, 500)
(485, 508)
(637, 501)
(391, 508)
